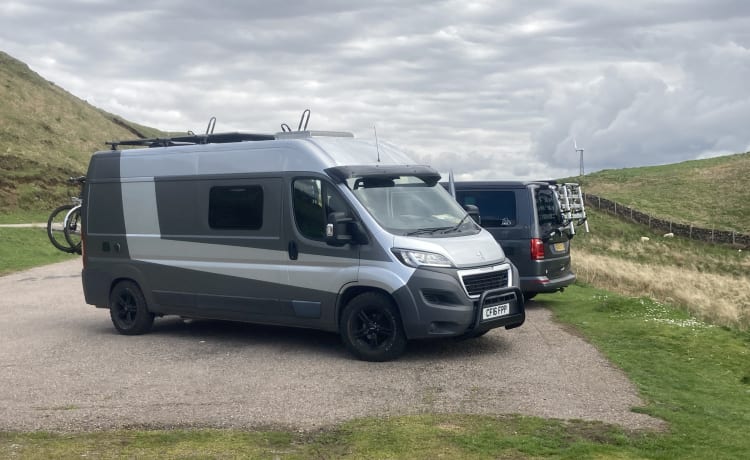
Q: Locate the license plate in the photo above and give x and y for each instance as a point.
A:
(559, 247)
(495, 311)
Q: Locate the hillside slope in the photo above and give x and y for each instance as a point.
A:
(711, 281)
(706, 193)
(47, 135)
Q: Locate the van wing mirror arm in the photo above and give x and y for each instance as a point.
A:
(342, 229)
(473, 211)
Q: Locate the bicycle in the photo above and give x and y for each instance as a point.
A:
(64, 223)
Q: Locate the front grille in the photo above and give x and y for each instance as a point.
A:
(476, 284)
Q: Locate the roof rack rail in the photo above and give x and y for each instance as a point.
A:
(194, 139)
(220, 138)
(306, 134)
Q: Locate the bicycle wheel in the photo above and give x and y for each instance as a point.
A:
(73, 228)
(56, 228)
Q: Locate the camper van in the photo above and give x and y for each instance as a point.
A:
(305, 229)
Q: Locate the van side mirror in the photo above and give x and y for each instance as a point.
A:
(342, 229)
(473, 211)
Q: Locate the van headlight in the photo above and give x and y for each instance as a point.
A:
(420, 258)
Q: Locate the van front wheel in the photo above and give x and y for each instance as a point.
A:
(127, 308)
(371, 328)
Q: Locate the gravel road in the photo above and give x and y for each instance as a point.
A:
(64, 368)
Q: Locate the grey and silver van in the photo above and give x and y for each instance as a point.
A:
(305, 229)
(527, 220)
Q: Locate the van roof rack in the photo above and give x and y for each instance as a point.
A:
(193, 139)
(307, 134)
(221, 138)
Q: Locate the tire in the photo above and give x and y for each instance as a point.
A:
(72, 230)
(529, 295)
(56, 228)
(128, 310)
(371, 328)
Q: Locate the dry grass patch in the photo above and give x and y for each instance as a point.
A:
(721, 299)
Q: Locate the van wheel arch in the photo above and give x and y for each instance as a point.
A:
(353, 291)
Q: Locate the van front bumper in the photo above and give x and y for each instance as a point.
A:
(433, 304)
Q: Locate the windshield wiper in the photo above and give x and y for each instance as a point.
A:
(456, 227)
(426, 231)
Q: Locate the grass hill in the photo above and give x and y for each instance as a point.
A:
(706, 193)
(710, 281)
(47, 135)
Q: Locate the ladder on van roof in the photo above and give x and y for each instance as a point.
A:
(570, 198)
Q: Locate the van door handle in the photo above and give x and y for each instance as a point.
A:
(293, 252)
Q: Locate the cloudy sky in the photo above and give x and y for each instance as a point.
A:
(490, 89)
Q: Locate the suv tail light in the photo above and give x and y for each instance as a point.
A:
(537, 249)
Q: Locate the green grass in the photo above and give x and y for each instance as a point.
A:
(22, 248)
(613, 236)
(692, 375)
(25, 216)
(704, 193)
(408, 437)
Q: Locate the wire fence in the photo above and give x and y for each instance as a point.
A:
(685, 230)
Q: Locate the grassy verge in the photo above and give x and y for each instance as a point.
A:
(709, 280)
(693, 375)
(22, 248)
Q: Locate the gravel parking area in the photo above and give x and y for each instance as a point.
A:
(64, 368)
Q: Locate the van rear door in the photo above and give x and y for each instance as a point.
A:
(555, 240)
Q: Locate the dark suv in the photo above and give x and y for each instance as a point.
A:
(525, 218)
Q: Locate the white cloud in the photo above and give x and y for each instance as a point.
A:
(490, 89)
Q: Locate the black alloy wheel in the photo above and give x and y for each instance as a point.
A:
(371, 328)
(127, 308)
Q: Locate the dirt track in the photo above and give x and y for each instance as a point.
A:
(64, 368)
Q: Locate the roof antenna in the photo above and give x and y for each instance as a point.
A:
(377, 147)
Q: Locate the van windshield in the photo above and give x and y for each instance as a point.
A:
(406, 205)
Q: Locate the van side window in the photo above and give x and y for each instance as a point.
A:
(497, 207)
(236, 207)
(313, 200)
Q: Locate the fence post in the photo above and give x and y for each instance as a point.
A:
(670, 226)
(691, 232)
(600, 202)
(615, 202)
(649, 221)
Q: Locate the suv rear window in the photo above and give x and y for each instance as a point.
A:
(497, 207)
(547, 209)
